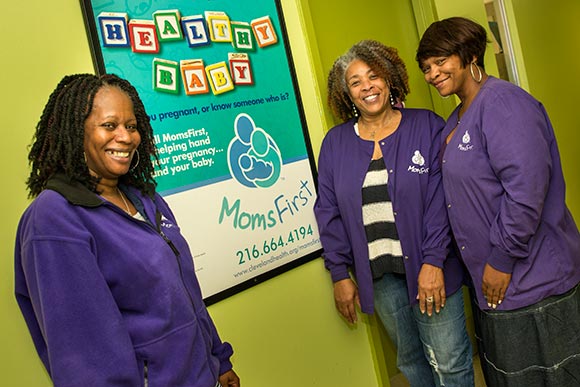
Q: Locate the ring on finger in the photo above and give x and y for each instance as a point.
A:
(429, 299)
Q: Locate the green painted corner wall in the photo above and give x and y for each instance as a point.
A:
(43, 41)
(549, 39)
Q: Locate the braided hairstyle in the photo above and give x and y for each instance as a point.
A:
(383, 60)
(58, 143)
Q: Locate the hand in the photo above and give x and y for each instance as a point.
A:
(431, 292)
(346, 299)
(229, 379)
(494, 285)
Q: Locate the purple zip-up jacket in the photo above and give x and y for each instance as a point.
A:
(108, 300)
(505, 191)
(414, 185)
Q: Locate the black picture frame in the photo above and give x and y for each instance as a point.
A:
(101, 60)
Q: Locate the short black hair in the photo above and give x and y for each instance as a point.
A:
(455, 35)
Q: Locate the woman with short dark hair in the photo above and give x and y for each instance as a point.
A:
(505, 196)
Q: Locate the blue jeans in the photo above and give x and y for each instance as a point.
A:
(431, 351)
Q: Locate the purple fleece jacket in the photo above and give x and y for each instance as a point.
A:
(108, 301)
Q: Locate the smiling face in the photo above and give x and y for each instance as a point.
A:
(368, 91)
(111, 135)
(446, 74)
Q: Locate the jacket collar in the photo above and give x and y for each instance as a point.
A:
(73, 191)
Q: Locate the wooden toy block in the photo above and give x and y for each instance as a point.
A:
(240, 68)
(114, 31)
(195, 30)
(242, 36)
(264, 31)
(165, 75)
(194, 78)
(168, 25)
(143, 36)
(219, 78)
(219, 26)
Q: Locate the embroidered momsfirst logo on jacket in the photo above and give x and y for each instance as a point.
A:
(418, 165)
(465, 144)
(166, 223)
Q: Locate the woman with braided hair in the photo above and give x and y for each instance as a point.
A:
(103, 277)
(381, 213)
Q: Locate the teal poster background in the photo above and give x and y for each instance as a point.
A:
(172, 114)
(200, 139)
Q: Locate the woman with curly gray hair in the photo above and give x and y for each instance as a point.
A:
(381, 215)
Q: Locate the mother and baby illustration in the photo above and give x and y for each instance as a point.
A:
(254, 158)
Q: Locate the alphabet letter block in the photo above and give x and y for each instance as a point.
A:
(143, 36)
(264, 31)
(219, 26)
(219, 78)
(242, 37)
(165, 74)
(114, 29)
(193, 75)
(195, 30)
(240, 68)
(168, 26)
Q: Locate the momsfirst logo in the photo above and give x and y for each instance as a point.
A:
(254, 159)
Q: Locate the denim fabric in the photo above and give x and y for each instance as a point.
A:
(431, 351)
(535, 346)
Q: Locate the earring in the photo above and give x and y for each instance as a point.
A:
(354, 110)
(391, 98)
(478, 80)
(137, 163)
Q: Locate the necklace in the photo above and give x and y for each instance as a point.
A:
(124, 201)
(373, 132)
(380, 128)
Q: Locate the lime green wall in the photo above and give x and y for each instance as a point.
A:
(285, 331)
(41, 41)
(550, 42)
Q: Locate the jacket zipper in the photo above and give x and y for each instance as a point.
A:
(177, 256)
(170, 243)
(146, 373)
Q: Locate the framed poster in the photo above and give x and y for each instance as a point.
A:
(235, 162)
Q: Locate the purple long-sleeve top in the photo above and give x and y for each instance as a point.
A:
(505, 194)
(414, 185)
